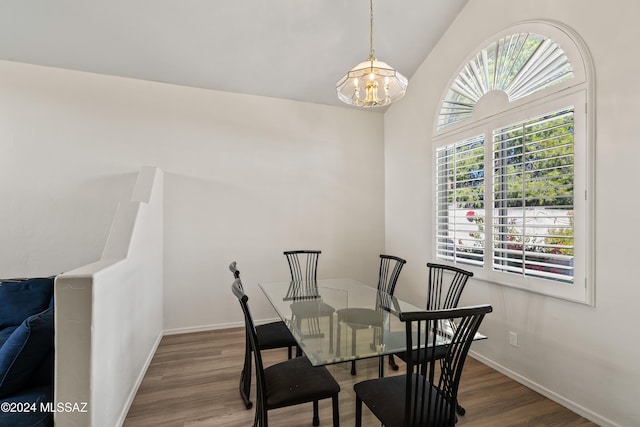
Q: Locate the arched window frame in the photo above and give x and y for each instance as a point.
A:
(493, 111)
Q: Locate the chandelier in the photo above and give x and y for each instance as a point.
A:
(371, 83)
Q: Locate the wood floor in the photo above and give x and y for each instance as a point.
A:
(193, 381)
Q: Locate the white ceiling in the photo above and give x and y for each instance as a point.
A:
(292, 49)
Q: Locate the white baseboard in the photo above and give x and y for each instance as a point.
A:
(214, 327)
(202, 328)
(573, 406)
(134, 390)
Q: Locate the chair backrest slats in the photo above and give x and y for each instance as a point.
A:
(433, 379)
(390, 268)
(303, 264)
(446, 284)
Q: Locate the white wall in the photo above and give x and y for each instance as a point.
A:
(584, 357)
(245, 178)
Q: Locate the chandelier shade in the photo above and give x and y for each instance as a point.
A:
(371, 83)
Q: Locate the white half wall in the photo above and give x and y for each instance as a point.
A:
(584, 357)
(109, 314)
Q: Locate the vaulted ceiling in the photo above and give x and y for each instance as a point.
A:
(291, 49)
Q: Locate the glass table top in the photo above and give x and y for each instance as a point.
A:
(338, 320)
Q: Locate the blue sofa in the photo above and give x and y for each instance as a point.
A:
(26, 352)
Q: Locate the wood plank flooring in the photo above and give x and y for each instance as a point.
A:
(193, 382)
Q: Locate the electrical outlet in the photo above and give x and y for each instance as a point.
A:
(513, 339)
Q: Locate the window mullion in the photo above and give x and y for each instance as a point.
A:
(523, 201)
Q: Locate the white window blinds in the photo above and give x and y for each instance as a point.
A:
(460, 202)
(533, 197)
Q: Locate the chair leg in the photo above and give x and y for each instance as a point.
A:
(336, 411)
(358, 412)
(353, 350)
(331, 333)
(289, 352)
(316, 418)
(460, 410)
(338, 344)
(261, 419)
(245, 380)
(298, 351)
(392, 363)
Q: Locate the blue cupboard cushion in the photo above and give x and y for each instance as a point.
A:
(5, 333)
(24, 351)
(36, 397)
(43, 375)
(21, 299)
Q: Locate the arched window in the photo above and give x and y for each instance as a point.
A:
(514, 166)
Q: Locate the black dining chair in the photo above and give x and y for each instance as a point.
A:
(292, 382)
(427, 394)
(303, 266)
(364, 318)
(445, 287)
(271, 336)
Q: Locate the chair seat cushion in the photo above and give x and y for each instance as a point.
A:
(297, 381)
(361, 317)
(419, 355)
(274, 335)
(385, 397)
(313, 308)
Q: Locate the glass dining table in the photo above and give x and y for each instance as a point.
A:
(319, 312)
